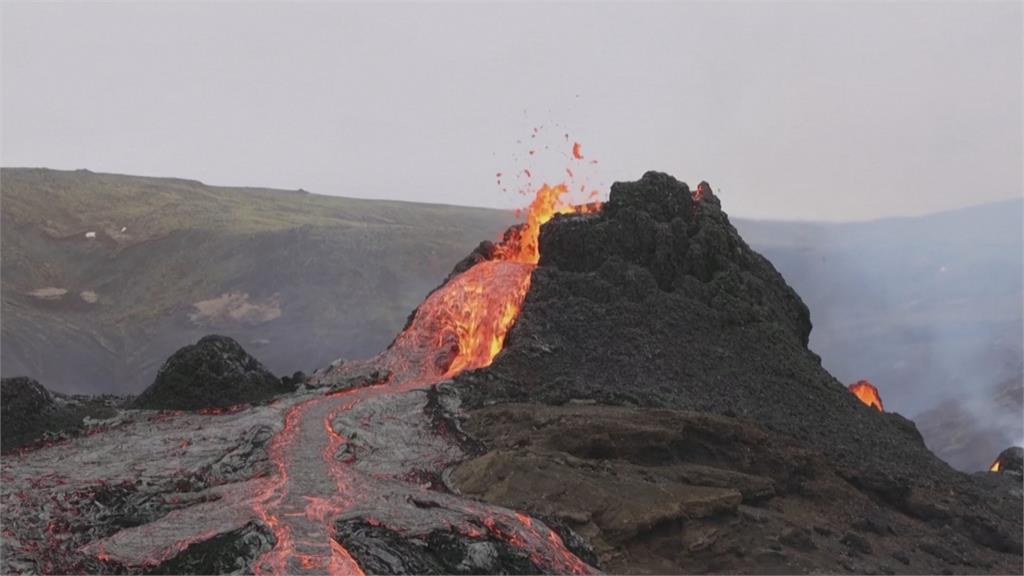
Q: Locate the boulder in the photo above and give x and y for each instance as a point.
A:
(215, 372)
(1011, 460)
(29, 412)
(23, 402)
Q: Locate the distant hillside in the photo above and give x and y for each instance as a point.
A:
(104, 276)
(927, 308)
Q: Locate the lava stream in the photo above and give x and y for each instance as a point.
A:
(303, 497)
(460, 326)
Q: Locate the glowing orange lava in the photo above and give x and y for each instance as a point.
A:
(488, 297)
(996, 466)
(460, 326)
(523, 244)
(867, 393)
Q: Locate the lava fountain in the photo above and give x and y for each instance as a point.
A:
(358, 447)
(462, 325)
(323, 475)
(867, 393)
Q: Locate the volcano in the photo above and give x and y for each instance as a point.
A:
(624, 386)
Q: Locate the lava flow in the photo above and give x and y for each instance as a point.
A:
(867, 393)
(996, 466)
(322, 476)
(462, 325)
(294, 482)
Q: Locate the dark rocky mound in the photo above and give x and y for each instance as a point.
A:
(228, 553)
(656, 302)
(29, 412)
(1011, 460)
(215, 372)
(379, 550)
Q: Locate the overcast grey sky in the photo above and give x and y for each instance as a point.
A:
(810, 110)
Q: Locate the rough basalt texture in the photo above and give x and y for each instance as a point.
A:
(672, 491)
(215, 372)
(1011, 460)
(656, 302)
(380, 550)
(29, 413)
(23, 401)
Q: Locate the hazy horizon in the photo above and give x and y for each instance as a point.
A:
(804, 112)
(809, 221)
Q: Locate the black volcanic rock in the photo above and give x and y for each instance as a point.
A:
(1011, 460)
(229, 553)
(23, 401)
(215, 372)
(28, 412)
(657, 302)
(380, 550)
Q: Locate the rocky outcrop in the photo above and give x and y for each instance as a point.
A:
(1011, 460)
(23, 402)
(656, 302)
(215, 372)
(672, 491)
(29, 413)
(380, 550)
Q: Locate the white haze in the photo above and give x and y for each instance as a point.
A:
(807, 110)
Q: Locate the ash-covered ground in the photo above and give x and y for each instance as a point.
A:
(655, 409)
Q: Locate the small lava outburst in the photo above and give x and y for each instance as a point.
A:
(460, 326)
(867, 393)
(365, 452)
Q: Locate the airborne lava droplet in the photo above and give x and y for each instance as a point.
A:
(577, 151)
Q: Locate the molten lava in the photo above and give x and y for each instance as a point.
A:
(867, 393)
(465, 322)
(361, 451)
(996, 466)
(460, 326)
(522, 243)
